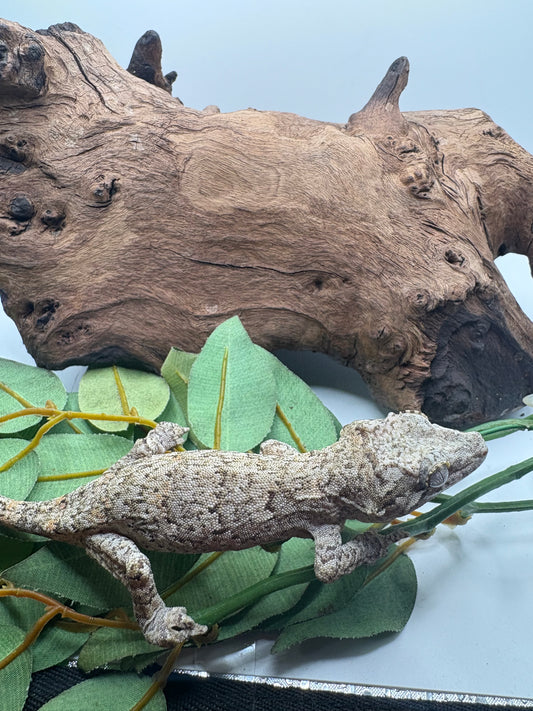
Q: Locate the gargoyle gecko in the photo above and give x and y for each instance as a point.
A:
(207, 500)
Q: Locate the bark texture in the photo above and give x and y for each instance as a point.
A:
(130, 223)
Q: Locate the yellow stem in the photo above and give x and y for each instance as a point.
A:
(68, 612)
(73, 415)
(390, 560)
(297, 441)
(30, 638)
(15, 395)
(42, 411)
(221, 396)
(160, 679)
(55, 608)
(121, 392)
(57, 416)
(73, 475)
(74, 427)
(34, 442)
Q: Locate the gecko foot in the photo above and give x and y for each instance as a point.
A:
(168, 435)
(170, 626)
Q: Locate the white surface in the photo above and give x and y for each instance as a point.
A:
(472, 626)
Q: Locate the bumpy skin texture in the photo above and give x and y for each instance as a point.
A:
(191, 502)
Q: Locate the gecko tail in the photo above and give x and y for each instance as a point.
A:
(27, 516)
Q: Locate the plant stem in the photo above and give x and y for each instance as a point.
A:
(126, 410)
(225, 608)
(222, 394)
(190, 575)
(428, 521)
(283, 417)
(501, 428)
(72, 475)
(31, 636)
(159, 679)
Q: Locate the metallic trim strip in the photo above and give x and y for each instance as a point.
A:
(364, 690)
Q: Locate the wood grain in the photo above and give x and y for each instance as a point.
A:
(130, 223)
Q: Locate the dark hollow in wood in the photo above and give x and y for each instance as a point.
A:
(130, 223)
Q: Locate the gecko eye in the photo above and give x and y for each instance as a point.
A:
(438, 476)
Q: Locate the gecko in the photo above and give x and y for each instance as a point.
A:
(210, 500)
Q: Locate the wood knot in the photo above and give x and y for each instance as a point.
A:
(22, 74)
(419, 180)
(103, 190)
(422, 299)
(15, 154)
(385, 350)
(44, 312)
(21, 208)
(454, 258)
(53, 217)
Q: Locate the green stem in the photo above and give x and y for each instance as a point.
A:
(489, 506)
(428, 521)
(218, 612)
(225, 608)
(501, 428)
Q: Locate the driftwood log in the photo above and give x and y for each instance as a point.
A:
(130, 223)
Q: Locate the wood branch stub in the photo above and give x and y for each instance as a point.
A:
(22, 75)
(383, 107)
(130, 223)
(145, 62)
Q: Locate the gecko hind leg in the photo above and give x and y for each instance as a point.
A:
(160, 625)
(333, 558)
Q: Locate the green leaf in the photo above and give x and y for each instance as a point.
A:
(55, 645)
(177, 370)
(19, 479)
(61, 454)
(67, 571)
(230, 573)
(110, 691)
(301, 418)
(355, 527)
(107, 645)
(322, 599)
(35, 385)
(294, 553)
(232, 390)
(99, 391)
(20, 611)
(173, 412)
(15, 678)
(12, 549)
(383, 605)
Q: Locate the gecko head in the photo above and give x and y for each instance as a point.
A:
(409, 461)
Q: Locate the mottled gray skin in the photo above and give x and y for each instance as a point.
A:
(191, 502)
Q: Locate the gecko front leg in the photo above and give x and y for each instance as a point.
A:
(274, 446)
(161, 625)
(159, 440)
(333, 558)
